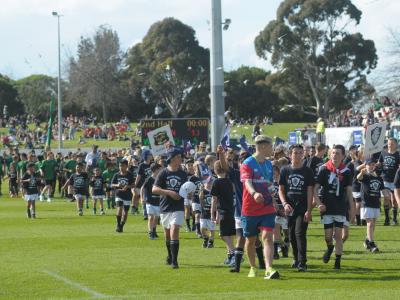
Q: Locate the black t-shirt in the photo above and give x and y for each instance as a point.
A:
(390, 163)
(371, 187)
(168, 180)
(335, 202)
(397, 179)
(97, 183)
(222, 189)
(145, 172)
(197, 181)
(149, 196)
(206, 205)
(126, 179)
(296, 182)
(356, 185)
(31, 187)
(79, 183)
(134, 170)
(314, 163)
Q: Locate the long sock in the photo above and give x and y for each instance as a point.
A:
(193, 221)
(330, 248)
(198, 227)
(358, 218)
(238, 258)
(394, 214)
(276, 244)
(386, 207)
(174, 251)
(108, 203)
(168, 245)
(188, 223)
(119, 220)
(260, 256)
(123, 224)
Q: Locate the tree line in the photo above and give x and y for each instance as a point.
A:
(320, 65)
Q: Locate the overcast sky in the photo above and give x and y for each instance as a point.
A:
(28, 32)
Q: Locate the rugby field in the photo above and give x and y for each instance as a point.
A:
(62, 256)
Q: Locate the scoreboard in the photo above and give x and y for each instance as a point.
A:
(194, 130)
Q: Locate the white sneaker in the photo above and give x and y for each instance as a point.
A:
(41, 198)
(48, 199)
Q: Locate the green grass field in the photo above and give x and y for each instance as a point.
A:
(62, 256)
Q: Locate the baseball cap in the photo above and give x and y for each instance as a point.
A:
(172, 152)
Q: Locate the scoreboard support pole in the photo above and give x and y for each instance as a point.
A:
(216, 76)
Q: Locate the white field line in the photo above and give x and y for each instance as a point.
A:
(76, 285)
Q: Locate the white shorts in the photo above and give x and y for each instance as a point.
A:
(187, 202)
(196, 207)
(172, 218)
(238, 223)
(369, 213)
(356, 195)
(126, 202)
(207, 224)
(33, 197)
(153, 210)
(389, 185)
(282, 221)
(98, 197)
(79, 197)
(330, 219)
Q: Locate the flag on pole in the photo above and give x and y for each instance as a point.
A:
(50, 125)
(225, 139)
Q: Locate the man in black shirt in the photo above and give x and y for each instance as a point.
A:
(167, 185)
(123, 184)
(222, 192)
(296, 193)
(336, 194)
(144, 172)
(79, 183)
(152, 200)
(389, 161)
(31, 192)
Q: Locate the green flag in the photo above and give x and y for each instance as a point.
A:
(49, 129)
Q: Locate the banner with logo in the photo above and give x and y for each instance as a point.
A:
(375, 138)
(292, 138)
(357, 137)
(158, 138)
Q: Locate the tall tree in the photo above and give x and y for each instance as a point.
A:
(247, 93)
(94, 73)
(34, 92)
(169, 67)
(309, 43)
(8, 96)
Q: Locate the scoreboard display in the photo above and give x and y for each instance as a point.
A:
(194, 130)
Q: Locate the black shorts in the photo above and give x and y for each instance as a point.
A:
(49, 181)
(227, 225)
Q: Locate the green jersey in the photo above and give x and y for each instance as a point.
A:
(109, 174)
(21, 167)
(70, 165)
(49, 168)
(102, 165)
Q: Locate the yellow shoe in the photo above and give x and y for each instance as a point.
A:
(252, 272)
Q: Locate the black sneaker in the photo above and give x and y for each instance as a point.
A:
(295, 264)
(205, 243)
(327, 255)
(118, 229)
(168, 260)
(151, 235)
(367, 245)
(373, 247)
(175, 265)
(210, 244)
(302, 267)
(387, 222)
(337, 264)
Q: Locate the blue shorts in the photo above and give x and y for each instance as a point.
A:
(253, 224)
